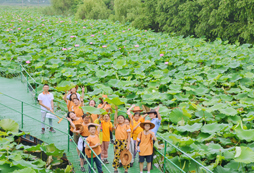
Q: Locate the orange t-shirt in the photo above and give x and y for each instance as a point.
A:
(92, 141)
(121, 132)
(94, 117)
(139, 129)
(146, 144)
(85, 130)
(79, 121)
(70, 104)
(77, 110)
(106, 128)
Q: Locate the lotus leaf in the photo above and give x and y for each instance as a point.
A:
(213, 128)
(9, 125)
(244, 155)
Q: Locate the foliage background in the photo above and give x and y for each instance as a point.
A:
(230, 20)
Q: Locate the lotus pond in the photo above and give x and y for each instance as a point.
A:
(205, 90)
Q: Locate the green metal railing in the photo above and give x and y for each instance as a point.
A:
(166, 142)
(22, 114)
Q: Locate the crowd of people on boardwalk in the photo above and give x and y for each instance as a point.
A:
(133, 134)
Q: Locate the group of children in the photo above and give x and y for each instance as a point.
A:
(133, 133)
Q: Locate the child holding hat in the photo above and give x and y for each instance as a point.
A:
(145, 145)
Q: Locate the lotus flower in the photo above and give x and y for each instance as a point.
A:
(28, 28)
(92, 35)
(123, 31)
(84, 27)
(73, 36)
(145, 30)
(69, 48)
(76, 45)
(136, 45)
(28, 21)
(161, 54)
(119, 48)
(64, 49)
(91, 42)
(104, 33)
(42, 24)
(104, 46)
(166, 62)
(28, 62)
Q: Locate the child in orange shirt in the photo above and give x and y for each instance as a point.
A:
(122, 141)
(145, 145)
(106, 129)
(137, 119)
(94, 142)
(83, 135)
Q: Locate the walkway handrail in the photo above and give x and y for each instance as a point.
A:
(22, 113)
(166, 141)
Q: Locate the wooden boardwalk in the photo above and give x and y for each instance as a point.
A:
(15, 88)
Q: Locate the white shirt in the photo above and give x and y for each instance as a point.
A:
(78, 95)
(46, 100)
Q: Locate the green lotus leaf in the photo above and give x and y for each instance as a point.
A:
(213, 128)
(25, 170)
(189, 128)
(244, 155)
(229, 111)
(242, 134)
(9, 125)
(119, 63)
(177, 115)
(51, 150)
(65, 86)
(115, 101)
(101, 74)
(92, 110)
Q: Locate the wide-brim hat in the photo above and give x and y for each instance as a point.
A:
(137, 109)
(152, 111)
(125, 157)
(104, 96)
(79, 127)
(147, 122)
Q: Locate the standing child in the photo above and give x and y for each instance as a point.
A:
(145, 145)
(137, 119)
(129, 122)
(122, 140)
(94, 142)
(83, 135)
(106, 129)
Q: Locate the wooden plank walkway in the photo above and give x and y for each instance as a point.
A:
(15, 88)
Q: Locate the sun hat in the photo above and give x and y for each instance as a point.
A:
(147, 122)
(152, 111)
(125, 157)
(137, 109)
(104, 96)
(79, 127)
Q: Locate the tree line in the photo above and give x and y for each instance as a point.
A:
(230, 20)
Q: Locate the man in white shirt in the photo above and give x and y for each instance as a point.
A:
(46, 101)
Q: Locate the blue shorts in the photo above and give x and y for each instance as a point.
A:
(148, 158)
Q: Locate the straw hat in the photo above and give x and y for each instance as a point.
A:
(137, 109)
(147, 122)
(152, 111)
(104, 96)
(125, 157)
(79, 127)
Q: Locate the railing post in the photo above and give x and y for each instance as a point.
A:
(68, 136)
(165, 151)
(92, 160)
(27, 82)
(22, 115)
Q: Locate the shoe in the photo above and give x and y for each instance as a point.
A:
(112, 141)
(131, 164)
(42, 130)
(52, 130)
(106, 161)
(85, 162)
(83, 169)
(145, 169)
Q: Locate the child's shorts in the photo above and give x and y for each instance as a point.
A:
(148, 158)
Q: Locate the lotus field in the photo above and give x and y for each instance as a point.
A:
(205, 90)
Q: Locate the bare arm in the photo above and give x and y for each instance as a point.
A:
(136, 126)
(129, 141)
(52, 105)
(157, 110)
(153, 135)
(145, 116)
(65, 96)
(72, 124)
(40, 103)
(129, 110)
(102, 106)
(115, 118)
(82, 95)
